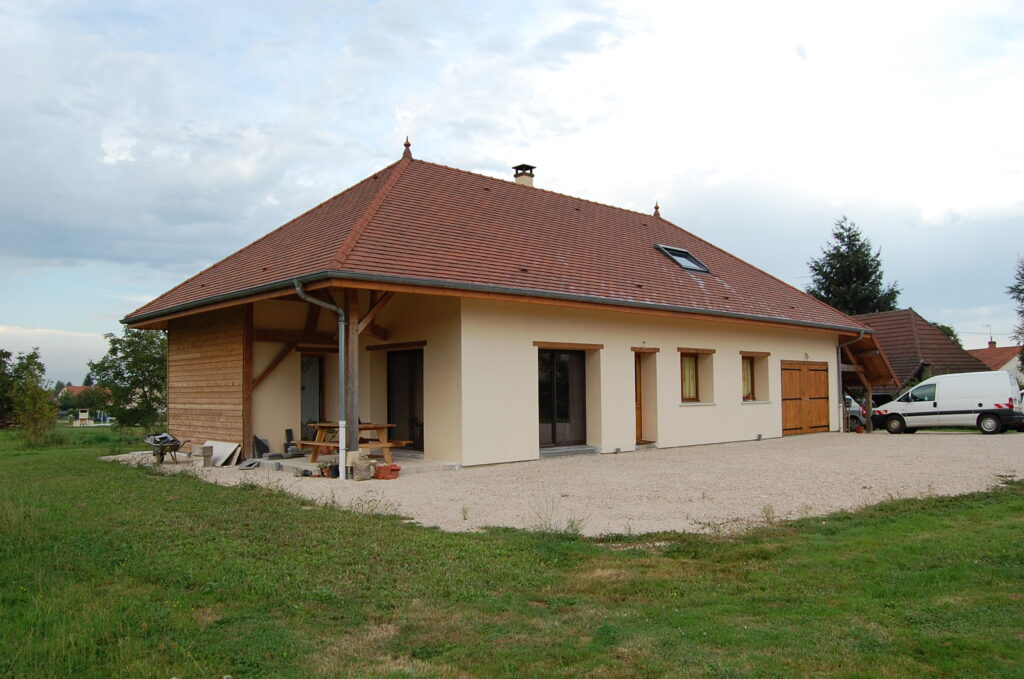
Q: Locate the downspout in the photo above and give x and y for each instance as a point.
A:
(342, 325)
(844, 425)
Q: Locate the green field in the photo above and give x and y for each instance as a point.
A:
(110, 571)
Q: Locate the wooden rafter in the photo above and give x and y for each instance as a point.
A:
(281, 355)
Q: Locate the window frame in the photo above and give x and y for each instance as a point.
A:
(681, 255)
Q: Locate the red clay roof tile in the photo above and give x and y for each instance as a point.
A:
(909, 341)
(434, 225)
(996, 357)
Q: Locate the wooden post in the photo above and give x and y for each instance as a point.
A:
(868, 426)
(247, 386)
(352, 369)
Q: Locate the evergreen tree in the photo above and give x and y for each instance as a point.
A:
(88, 381)
(848, 276)
(1016, 292)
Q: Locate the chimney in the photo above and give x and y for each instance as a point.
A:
(524, 174)
(991, 344)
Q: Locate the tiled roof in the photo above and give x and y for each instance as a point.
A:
(426, 224)
(909, 341)
(996, 357)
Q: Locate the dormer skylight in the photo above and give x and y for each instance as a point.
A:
(683, 258)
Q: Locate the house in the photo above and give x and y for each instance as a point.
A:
(1000, 358)
(491, 321)
(71, 391)
(916, 349)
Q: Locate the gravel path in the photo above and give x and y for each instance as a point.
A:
(699, 488)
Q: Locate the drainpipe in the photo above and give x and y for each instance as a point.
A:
(342, 325)
(845, 424)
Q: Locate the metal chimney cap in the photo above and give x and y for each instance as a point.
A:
(523, 168)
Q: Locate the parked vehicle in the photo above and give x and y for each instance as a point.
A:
(855, 413)
(990, 401)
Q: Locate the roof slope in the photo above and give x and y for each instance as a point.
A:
(427, 224)
(909, 341)
(995, 357)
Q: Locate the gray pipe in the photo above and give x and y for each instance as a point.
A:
(342, 323)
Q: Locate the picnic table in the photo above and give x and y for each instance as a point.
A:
(326, 439)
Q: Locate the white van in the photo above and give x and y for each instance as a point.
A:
(990, 401)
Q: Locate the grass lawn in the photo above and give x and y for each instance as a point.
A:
(110, 571)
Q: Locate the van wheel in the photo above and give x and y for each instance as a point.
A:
(894, 424)
(990, 424)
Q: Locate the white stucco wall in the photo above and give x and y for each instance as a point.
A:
(499, 377)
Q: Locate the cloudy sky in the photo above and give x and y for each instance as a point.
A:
(142, 141)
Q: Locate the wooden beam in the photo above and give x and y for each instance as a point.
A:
(376, 332)
(375, 308)
(869, 352)
(848, 368)
(398, 346)
(293, 336)
(281, 355)
(644, 350)
(312, 317)
(692, 350)
(756, 354)
(571, 346)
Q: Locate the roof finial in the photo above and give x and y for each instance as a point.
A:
(407, 153)
(657, 210)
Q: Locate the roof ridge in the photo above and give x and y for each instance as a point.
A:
(505, 182)
(371, 211)
(262, 238)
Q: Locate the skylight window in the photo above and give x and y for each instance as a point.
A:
(683, 258)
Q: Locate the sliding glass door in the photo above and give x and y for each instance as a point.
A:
(562, 387)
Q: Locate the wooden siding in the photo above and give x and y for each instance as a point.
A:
(206, 376)
(804, 397)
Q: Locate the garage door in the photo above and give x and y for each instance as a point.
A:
(804, 397)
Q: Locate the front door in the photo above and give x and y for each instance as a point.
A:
(922, 409)
(562, 390)
(405, 396)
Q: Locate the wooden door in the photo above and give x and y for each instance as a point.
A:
(804, 397)
(639, 391)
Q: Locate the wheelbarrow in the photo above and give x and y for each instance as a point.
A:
(164, 444)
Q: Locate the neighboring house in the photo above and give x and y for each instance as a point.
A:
(71, 391)
(1000, 358)
(491, 321)
(916, 349)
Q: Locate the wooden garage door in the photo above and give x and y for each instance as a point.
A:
(804, 397)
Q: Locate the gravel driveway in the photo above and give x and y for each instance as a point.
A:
(697, 488)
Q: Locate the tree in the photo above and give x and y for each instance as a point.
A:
(33, 405)
(92, 398)
(13, 374)
(848, 276)
(1016, 292)
(134, 373)
(949, 332)
(88, 381)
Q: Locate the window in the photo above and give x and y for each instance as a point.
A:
(688, 374)
(748, 378)
(696, 375)
(754, 371)
(923, 393)
(683, 258)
